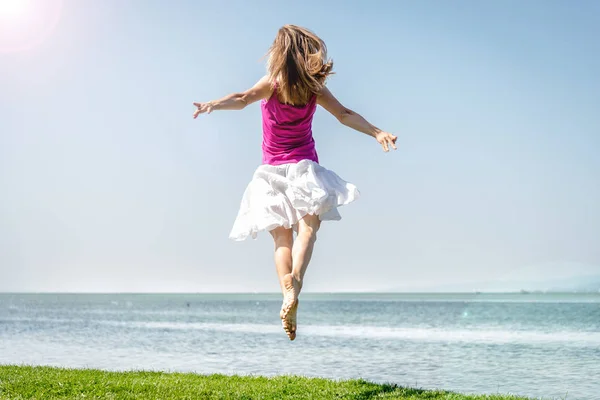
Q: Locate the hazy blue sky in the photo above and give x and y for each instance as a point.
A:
(108, 184)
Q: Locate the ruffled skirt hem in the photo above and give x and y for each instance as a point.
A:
(281, 195)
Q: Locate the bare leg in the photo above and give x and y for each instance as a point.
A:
(303, 248)
(283, 239)
(301, 254)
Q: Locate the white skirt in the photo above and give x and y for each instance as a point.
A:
(281, 195)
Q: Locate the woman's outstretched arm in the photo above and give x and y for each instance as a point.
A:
(354, 120)
(237, 101)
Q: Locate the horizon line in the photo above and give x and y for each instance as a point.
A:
(473, 292)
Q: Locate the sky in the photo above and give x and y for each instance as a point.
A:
(107, 184)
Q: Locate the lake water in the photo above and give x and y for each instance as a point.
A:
(538, 345)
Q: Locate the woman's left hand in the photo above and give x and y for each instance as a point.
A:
(202, 108)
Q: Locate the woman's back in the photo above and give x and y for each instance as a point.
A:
(287, 131)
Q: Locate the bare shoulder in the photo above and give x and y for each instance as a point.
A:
(264, 85)
(328, 101)
(265, 80)
(325, 96)
(324, 92)
(261, 90)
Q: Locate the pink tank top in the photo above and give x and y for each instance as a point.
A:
(287, 131)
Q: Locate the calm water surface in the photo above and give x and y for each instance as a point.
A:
(535, 345)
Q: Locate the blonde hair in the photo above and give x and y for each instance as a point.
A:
(298, 63)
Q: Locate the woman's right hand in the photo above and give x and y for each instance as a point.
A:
(386, 140)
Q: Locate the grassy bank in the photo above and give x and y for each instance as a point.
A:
(21, 382)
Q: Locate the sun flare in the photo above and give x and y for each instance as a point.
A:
(11, 10)
(24, 24)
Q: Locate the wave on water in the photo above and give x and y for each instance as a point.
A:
(485, 336)
(413, 334)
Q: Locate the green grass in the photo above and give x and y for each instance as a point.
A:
(24, 382)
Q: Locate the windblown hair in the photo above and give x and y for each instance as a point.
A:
(298, 63)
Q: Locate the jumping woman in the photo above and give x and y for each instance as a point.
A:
(290, 191)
